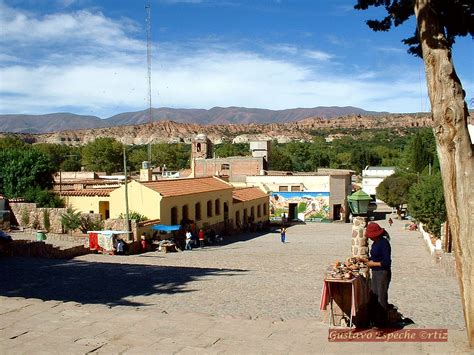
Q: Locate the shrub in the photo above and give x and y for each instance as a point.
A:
(426, 203)
(88, 223)
(46, 219)
(134, 216)
(71, 219)
(25, 217)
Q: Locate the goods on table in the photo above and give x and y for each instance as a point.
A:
(347, 270)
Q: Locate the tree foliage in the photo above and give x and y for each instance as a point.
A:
(227, 149)
(62, 156)
(426, 203)
(10, 142)
(103, 154)
(420, 152)
(23, 170)
(394, 189)
(455, 17)
(175, 156)
(71, 219)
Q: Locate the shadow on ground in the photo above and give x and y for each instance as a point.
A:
(97, 282)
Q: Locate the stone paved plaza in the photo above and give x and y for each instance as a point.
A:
(251, 296)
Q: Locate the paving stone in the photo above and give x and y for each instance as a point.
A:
(254, 296)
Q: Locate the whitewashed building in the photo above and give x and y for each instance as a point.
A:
(372, 176)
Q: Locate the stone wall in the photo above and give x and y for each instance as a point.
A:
(28, 216)
(360, 247)
(121, 224)
(26, 248)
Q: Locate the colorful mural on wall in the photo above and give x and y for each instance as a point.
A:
(307, 205)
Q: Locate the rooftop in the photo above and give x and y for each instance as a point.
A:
(248, 194)
(180, 187)
(88, 192)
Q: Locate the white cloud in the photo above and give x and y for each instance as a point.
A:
(319, 55)
(65, 28)
(104, 72)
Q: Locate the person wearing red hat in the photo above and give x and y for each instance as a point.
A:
(380, 264)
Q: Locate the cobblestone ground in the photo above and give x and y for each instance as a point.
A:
(256, 295)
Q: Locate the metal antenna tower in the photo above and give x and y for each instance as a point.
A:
(148, 57)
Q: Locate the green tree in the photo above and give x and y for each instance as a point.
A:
(279, 159)
(60, 155)
(228, 149)
(438, 23)
(11, 141)
(362, 157)
(103, 154)
(136, 155)
(71, 220)
(394, 190)
(43, 197)
(420, 151)
(175, 156)
(426, 203)
(22, 170)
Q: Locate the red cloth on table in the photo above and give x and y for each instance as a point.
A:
(359, 294)
(93, 241)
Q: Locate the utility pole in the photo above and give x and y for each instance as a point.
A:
(148, 56)
(127, 216)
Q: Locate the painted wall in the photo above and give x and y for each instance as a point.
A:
(86, 204)
(222, 196)
(310, 205)
(141, 199)
(303, 182)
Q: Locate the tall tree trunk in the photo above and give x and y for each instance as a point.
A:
(454, 148)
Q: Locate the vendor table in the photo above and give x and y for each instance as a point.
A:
(350, 295)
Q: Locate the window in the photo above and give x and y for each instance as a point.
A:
(209, 208)
(259, 211)
(197, 209)
(295, 188)
(185, 213)
(282, 188)
(252, 213)
(225, 166)
(265, 209)
(217, 207)
(174, 215)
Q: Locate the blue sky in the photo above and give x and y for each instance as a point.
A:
(89, 57)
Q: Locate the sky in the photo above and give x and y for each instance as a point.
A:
(89, 57)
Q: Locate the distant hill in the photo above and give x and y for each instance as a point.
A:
(52, 122)
(56, 122)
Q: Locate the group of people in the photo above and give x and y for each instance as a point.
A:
(120, 246)
(190, 240)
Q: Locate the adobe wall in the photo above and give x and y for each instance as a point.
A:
(28, 216)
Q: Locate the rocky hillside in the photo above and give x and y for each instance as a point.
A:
(215, 116)
(169, 131)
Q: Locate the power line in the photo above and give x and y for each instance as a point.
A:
(148, 57)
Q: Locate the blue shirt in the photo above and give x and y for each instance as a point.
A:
(381, 251)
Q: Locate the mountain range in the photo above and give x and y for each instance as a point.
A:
(56, 122)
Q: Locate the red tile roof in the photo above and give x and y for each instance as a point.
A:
(180, 187)
(88, 192)
(248, 194)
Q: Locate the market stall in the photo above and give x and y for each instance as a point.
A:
(103, 241)
(346, 291)
(167, 245)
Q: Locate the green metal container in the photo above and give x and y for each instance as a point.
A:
(40, 236)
